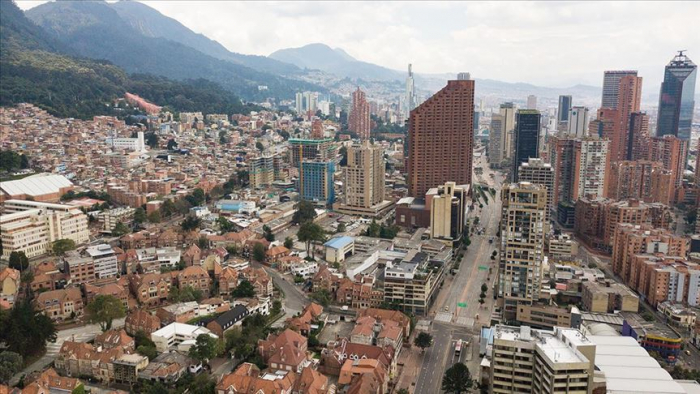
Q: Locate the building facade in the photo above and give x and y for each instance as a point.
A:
(527, 138)
(359, 119)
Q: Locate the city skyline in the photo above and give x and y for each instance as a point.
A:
(432, 36)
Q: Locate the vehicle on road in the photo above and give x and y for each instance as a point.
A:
(458, 348)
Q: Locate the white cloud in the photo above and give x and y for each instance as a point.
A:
(546, 43)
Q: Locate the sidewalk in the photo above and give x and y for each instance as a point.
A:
(411, 360)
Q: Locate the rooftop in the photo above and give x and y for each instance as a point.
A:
(340, 242)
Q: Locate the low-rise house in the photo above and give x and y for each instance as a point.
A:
(141, 320)
(363, 376)
(127, 368)
(260, 280)
(305, 269)
(228, 280)
(9, 285)
(181, 312)
(311, 382)
(286, 351)
(259, 304)
(273, 254)
(166, 368)
(46, 277)
(383, 315)
(195, 277)
(84, 359)
(303, 322)
(60, 304)
(111, 289)
(150, 289)
(337, 352)
(228, 320)
(115, 338)
(49, 381)
(152, 260)
(192, 255)
(247, 378)
(178, 336)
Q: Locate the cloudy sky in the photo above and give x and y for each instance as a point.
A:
(544, 43)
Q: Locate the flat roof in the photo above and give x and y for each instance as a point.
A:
(340, 242)
(36, 185)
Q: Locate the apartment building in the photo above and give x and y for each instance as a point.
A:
(364, 176)
(537, 172)
(522, 245)
(111, 217)
(608, 297)
(410, 283)
(448, 210)
(104, 259)
(525, 360)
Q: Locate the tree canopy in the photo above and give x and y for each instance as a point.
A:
(61, 246)
(244, 290)
(205, 348)
(19, 261)
(305, 212)
(423, 340)
(103, 309)
(24, 330)
(259, 252)
(457, 379)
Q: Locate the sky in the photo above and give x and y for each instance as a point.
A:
(557, 44)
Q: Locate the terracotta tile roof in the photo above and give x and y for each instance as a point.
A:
(310, 382)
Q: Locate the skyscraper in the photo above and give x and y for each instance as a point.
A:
(578, 122)
(363, 186)
(677, 98)
(359, 120)
(563, 112)
(611, 87)
(537, 172)
(507, 110)
(299, 103)
(561, 156)
(604, 125)
(527, 138)
(496, 140)
(531, 102)
(409, 101)
(316, 180)
(628, 101)
(672, 152)
(441, 139)
(591, 162)
(523, 224)
(638, 139)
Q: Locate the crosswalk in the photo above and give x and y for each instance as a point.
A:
(52, 349)
(445, 317)
(465, 321)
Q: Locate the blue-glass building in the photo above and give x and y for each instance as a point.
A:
(677, 98)
(316, 180)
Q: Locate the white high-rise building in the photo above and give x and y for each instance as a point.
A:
(578, 122)
(299, 103)
(590, 163)
(507, 110)
(410, 99)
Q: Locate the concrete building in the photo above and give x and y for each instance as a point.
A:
(526, 138)
(111, 217)
(578, 122)
(309, 149)
(507, 111)
(104, 259)
(544, 316)
(32, 227)
(563, 110)
(672, 152)
(608, 297)
(537, 361)
(496, 140)
(178, 336)
(411, 284)
(642, 180)
(611, 87)
(639, 138)
(531, 102)
(590, 167)
(359, 119)
(537, 172)
(448, 211)
(316, 181)
(337, 249)
(264, 170)
(39, 187)
(562, 246)
(363, 185)
(441, 139)
(523, 227)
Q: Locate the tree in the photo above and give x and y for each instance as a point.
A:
(322, 296)
(154, 217)
(190, 223)
(151, 140)
(10, 364)
(402, 391)
(103, 309)
(223, 137)
(276, 307)
(484, 288)
(288, 243)
(205, 348)
(260, 146)
(457, 379)
(259, 252)
(139, 215)
(341, 228)
(25, 331)
(267, 233)
(79, 390)
(232, 250)
(305, 212)
(423, 340)
(203, 242)
(120, 229)
(61, 246)
(19, 261)
(310, 232)
(244, 289)
(172, 144)
(343, 151)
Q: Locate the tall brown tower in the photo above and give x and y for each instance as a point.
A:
(441, 139)
(628, 101)
(359, 120)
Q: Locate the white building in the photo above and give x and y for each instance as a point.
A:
(111, 217)
(178, 336)
(104, 259)
(32, 227)
(578, 121)
(137, 144)
(305, 269)
(164, 257)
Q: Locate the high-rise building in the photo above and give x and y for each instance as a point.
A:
(561, 157)
(527, 138)
(526, 360)
(264, 170)
(578, 122)
(563, 112)
(359, 119)
(448, 209)
(590, 167)
(531, 102)
(301, 149)
(496, 140)
(316, 181)
(638, 140)
(642, 180)
(604, 124)
(537, 172)
(523, 224)
(363, 186)
(629, 98)
(677, 98)
(409, 99)
(672, 152)
(507, 110)
(310, 102)
(317, 129)
(464, 76)
(611, 87)
(632, 239)
(299, 103)
(441, 139)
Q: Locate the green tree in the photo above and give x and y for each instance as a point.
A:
(79, 390)
(225, 225)
(322, 296)
(25, 331)
(154, 217)
(232, 250)
(205, 348)
(167, 209)
(139, 215)
(120, 229)
(423, 340)
(288, 243)
(374, 229)
(310, 232)
(245, 289)
(19, 261)
(260, 146)
(10, 364)
(203, 242)
(223, 137)
(305, 212)
(103, 309)
(343, 152)
(402, 391)
(457, 379)
(61, 246)
(341, 228)
(172, 144)
(259, 252)
(190, 223)
(267, 233)
(484, 288)
(276, 307)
